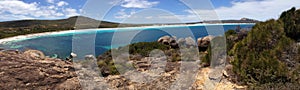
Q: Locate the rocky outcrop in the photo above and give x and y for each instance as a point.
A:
(167, 40)
(35, 54)
(149, 74)
(19, 70)
(174, 42)
(31, 70)
(202, 43)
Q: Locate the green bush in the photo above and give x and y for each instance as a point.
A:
(144, 48)
(207, 57)
(291, 21)
(257, 58)
(230, 32)
(106, 63)
(231, 35)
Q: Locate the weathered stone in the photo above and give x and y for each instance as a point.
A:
(190, 41)
(204, 42)
(90, 57)
(35, 54)
(29, 71)
(181, 41)
(164, 38)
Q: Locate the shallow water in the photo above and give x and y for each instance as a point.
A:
(61, 44)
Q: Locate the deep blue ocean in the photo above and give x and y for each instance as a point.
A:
(61, 44)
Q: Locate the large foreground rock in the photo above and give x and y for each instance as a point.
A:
(31, 70)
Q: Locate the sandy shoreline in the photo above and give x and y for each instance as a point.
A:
(35, 35)
(28, 36)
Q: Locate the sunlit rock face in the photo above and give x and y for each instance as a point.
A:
(32, 70)
(202, 42)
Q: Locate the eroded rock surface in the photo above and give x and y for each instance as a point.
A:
(19, 70)
(31, 70)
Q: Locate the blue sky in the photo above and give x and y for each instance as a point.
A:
(145, 11)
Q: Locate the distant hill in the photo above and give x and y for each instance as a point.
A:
(61, 23)
(21, 27)
(242, 20)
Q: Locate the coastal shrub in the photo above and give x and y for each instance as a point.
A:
(258, 57)
(291, 21)
(276, 86)
(298, 53)
(231, 39)
(144, 48)
(207, 57)
(113, 70)
(173, 54)
(109, 67)
(230, 32)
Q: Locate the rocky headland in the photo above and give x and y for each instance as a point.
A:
(31, 69)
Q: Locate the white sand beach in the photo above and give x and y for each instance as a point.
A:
(35, 35)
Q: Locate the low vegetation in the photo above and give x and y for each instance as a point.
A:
(259, 57)
(269, 55)
(136, 52)
(290, 20)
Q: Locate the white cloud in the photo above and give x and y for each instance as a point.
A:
(62, 3)
(6, 17)
(122, 14)
(138, 4)
(149, 17)
(153, 16)
(70, 12)
(16, 10)
(256, 9)
(50, 1)
(115, 2)
(17, 7)
(52, 7)
(202, 14)
(179, 18)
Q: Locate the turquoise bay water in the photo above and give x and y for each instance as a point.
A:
(61, 44)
